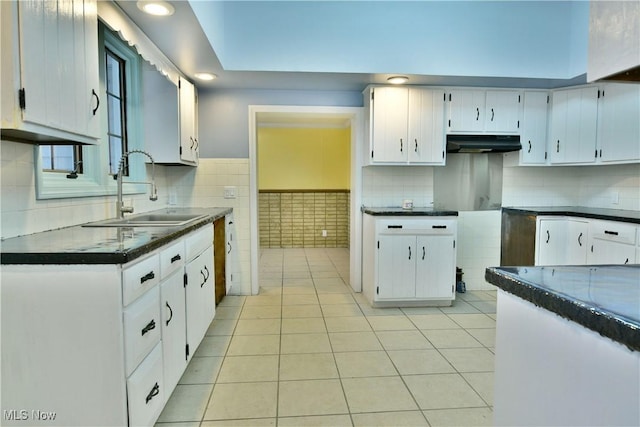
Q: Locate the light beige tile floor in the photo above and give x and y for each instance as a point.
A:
(307, 351)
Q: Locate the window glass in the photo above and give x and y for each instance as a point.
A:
(116, 109)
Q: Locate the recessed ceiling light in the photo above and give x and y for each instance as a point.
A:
(205, 76)
(157, 8)
(398, 80)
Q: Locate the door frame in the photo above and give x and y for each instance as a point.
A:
(356, 117)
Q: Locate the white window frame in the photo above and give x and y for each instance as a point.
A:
(96, 179)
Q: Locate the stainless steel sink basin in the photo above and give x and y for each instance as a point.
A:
(149, 220)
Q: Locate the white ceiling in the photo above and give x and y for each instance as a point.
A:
(184, 42)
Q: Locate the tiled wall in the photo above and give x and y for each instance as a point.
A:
(385, 186)
(592, 186)
(200, 187)
(296, 219)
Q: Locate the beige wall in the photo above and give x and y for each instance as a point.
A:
(304, 158)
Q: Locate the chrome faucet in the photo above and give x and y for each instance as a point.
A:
(121, 209)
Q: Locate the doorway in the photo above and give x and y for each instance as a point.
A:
(347, 117)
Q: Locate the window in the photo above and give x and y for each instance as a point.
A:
(93, 167)
(116, 109)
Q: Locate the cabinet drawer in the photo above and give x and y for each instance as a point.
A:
(145, 390)
(197, 242)
(416, 226)
(139, 278)
(613, 231)
(141, 328)
(172, 258)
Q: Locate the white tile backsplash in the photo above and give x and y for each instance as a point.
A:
(388, 186)
(203, 186)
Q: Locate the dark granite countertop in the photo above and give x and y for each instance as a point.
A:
(605, 299)
(103, 245)
(577, 211)
(397, 211)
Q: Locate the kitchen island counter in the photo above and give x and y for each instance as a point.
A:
(568, 341)
(397, 211)
(100, 245)
(578, 211)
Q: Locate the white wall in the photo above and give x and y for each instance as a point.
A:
(387, 186)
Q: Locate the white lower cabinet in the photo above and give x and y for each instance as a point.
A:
(104, 344)
(409, 261)
(146, 390)
(174, 327)
(611, 242)
(561, 241)
(199, 296)
(580, 241)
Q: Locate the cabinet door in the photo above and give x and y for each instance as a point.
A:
(200, 298)
(608, 252)
(534, 128)
(396, 267)
(435, 267)
(390, 120)
(466, 110)
(502, 113)
(577, 242)
(619, 126)
(174, 341)
(573, 127)
(551, 244)
(60, 37)
(188, 140)
(231, 258)
(426, 126)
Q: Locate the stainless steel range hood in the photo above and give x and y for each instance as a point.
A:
(483, 143)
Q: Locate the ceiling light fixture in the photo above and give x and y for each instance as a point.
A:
(205, 76)
(157, 8)
(397, 80)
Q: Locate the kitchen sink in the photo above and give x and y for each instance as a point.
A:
(149, 220)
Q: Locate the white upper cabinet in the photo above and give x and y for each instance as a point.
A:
(189, 145)
(502, 111)
(50, 71)
(406, 125)
(426, 126)
(533, 130)
(574, 114)
(619, 123)
(484, 111)
(466, 110)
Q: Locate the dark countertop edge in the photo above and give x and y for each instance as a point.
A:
(603, 322)
(572, 211)
(69, 258)
(406, 212)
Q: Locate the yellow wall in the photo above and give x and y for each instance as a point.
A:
(304, 158)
